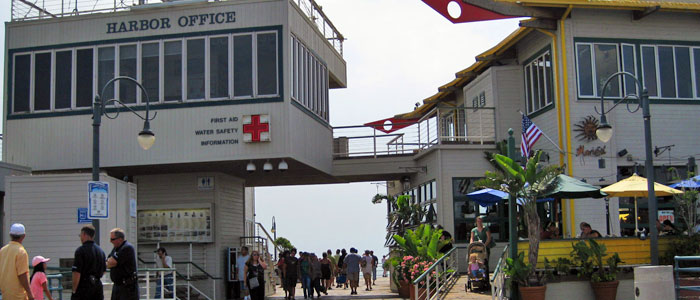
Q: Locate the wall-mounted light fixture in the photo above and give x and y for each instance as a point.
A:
(283, 166)
(250, 167)
(267, 167)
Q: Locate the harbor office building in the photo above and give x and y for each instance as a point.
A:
(236, 85)
(552, 69)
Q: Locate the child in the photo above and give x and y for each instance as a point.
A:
(39, 285)
(476, 267)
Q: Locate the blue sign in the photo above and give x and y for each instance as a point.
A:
(83, 216)
(98, 200)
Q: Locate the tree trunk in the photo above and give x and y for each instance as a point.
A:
(533, 234)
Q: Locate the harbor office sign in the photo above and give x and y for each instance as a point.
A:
(167, 22)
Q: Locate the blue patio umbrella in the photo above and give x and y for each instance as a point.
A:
(692, 183)
(489, 197)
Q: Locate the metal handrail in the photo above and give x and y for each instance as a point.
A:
(677, 270)
(498, 277)
(269, 237)
(440, 268)
(163, 272)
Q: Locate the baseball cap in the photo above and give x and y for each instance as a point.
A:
(17, 229)
(39, 259)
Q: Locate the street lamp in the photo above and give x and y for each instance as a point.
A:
(145, 138)
(274, 234)
(605, 132)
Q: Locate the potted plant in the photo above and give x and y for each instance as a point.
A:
(518, 271)
(529, 184)
(419, 249)
(602, 272)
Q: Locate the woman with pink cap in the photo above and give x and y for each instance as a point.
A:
(39, 285)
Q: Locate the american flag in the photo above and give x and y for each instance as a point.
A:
(531, 133)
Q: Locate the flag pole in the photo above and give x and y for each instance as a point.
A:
(546, 136)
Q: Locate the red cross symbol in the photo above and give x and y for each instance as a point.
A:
(255, 128)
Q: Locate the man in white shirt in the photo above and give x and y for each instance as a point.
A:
(164, 261)
(240, 265)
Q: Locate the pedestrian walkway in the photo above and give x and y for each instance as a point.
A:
(383, 291)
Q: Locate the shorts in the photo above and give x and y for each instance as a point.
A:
(290, 282)
(354, 276)
(366, 275)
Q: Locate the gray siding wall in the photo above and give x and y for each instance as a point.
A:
(47, 206)
(228, 218)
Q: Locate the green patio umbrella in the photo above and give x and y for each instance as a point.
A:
(567, 187)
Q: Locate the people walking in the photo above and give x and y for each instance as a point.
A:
(88, 267)
(291, 272)
(254, 277)
(122, 264)
(305, 273)
(375, 262)
(240, 265)
(280, 266)
(38, 282)
(366, 268)
(342, 270)
(326, 271)
(164, 261)
(384, 269)
(14, 267)
(316, 274)
(351, 264)
(334, 263)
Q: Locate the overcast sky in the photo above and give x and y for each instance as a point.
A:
(398, 52)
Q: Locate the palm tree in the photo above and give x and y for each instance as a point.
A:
(403, 213)
(529, 184)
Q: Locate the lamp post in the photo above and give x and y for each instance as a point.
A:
(146, 138)
(605, 132)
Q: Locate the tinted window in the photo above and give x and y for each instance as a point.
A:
(195, 69)
(84, 78)
(64, 64)
(628, 66)
(585, 71)
(696, 56)
(667, 73)
(243, 65)
(42, 81)
(150, 71)
(21, 82)
(105, 71)
(685, 84)
(267, 64)
(649, 68)
(218, 67)
(172, 69)
(606, 64)
(127, 67)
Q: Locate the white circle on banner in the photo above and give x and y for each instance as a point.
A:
(388, 125)
(454, 9)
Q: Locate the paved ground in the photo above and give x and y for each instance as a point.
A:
(382, 291)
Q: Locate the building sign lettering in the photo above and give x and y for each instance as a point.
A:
(227, 131)
(165, 23)
(596, 151)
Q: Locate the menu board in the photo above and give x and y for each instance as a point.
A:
(187, 225)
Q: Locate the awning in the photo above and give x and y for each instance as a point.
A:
(572, 188)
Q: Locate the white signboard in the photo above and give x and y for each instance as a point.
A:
(98, 200)
(666, 215)
(132, 208)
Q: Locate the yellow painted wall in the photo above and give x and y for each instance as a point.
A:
(632, 251)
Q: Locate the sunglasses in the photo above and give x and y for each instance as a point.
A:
(113, 239)
(256, 255)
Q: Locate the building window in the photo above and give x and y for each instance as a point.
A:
(22, 74)
(172, 65)
(201, 68)
(195, 69)
(669, 71)
(495, 217)
(150, 71)
(42, 81)
(127, 67)
(538, 83)
(243, 66)
(63, 83)
(267, 64)
(218, 67)
(596, 62)
(309, 80)
(83, 74)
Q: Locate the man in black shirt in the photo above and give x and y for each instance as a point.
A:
(88, 267)
(291, 271)
(122, 262)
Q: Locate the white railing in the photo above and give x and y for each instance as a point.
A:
(44, 9)
(436, 282)
(160, 275)
(469, 126)
(498, 280)
(315, 13)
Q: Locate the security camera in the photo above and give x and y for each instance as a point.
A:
(250, 167)
(283, 166)
(267, 167)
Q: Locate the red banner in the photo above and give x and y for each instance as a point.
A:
(390, 125)
(462, 12)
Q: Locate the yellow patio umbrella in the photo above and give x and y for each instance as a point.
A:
(636, 186)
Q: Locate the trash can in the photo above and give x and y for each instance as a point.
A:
(653, 283)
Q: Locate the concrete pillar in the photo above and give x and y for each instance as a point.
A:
(653, 282)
